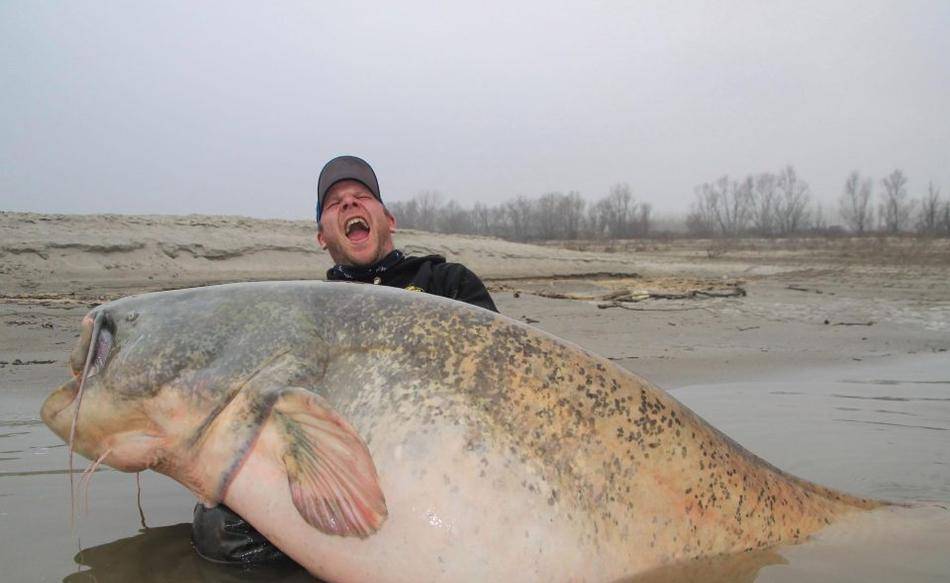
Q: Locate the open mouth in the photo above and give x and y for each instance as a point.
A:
(356, 229)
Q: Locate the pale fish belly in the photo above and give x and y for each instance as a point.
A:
(456, 513)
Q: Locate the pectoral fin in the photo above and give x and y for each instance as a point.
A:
(332, 477)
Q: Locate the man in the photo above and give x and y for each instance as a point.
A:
(356, 229)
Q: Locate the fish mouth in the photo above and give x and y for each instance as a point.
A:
(66, 394)
(86, 360)
(60, 400)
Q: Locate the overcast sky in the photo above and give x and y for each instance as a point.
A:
(233, 107)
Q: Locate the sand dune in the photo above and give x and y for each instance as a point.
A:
(88, 255)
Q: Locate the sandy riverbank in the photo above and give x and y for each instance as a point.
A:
(805, 303)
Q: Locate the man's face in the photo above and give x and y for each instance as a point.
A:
(355, 227)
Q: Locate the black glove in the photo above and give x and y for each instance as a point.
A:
(222, 536)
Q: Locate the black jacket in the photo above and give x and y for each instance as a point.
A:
(430, 274)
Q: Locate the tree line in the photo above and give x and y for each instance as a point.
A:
(554, 215)
(774, 204)
(768, 204)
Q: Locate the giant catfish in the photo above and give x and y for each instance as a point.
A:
(375, 434)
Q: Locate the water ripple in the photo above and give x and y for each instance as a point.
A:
(893, 424)
(888, 398)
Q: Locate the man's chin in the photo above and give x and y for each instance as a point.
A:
(361, 256)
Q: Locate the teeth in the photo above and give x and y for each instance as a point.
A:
(355, 221)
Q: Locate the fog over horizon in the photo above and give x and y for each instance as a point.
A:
(233, 107)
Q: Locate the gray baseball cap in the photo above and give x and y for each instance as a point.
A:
(345, 168)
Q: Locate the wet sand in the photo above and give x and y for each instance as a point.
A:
(832, 367)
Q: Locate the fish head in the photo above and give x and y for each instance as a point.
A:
(151, 372)
(193, 383)
(112, 419)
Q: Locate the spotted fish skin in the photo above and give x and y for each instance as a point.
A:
(607, 443)
(528, 432)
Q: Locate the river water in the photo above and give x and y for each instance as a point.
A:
(879, 431)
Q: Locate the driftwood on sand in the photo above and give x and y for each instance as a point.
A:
(616, 299)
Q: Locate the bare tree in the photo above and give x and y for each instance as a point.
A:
(518, 216)
(452, 218)
(895, 208)
(643, 220)
(428, 204)
(792, 209)
(700, 220)
(928, 218)
(854, 204)
(572, 210)
(405, 212)
(420, 212)
(818, 222)
(598, 218)
(547, 219)
(740, 204)
(618, 214)
(765, 203)
(620, 208)
(498, 219)
(482, 219)
(727, 204)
